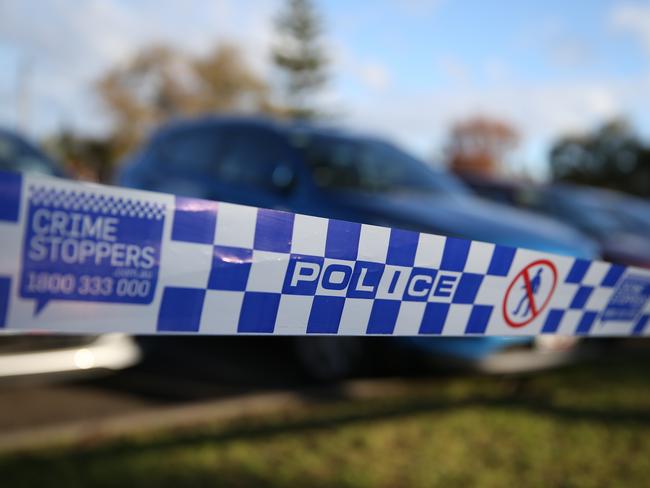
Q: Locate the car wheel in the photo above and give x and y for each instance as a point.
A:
(330, 358)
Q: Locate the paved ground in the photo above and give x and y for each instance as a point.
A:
(184, 371)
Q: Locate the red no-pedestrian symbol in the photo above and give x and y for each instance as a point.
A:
(529, 293)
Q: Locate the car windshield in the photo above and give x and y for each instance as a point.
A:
(16, 155)
(370, 166)
(597, 214)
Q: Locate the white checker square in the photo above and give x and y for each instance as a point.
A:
(186, 264)
(429, 251)
(497, 325)
(393, 282)
(563, 295)
(479, 257)
(595, 274)
(373, 243)
(457, 320)
(569, 322)
(355, 316)
(492, 291)
(409, 318)
(599, 298)
(267, 271)
(334, 277)
(12, 235)
(309, 235)
(293, 314)
(235, 225)
(221, 311)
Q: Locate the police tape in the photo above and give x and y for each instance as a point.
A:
(85, 258)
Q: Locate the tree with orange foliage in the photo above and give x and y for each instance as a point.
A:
(160, 82)
(479, 145)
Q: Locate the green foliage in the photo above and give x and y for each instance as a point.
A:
(86, 158)
(612, 156)
(586, 426)
(300, 56)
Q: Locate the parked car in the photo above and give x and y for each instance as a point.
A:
(332, 173)
(49, 356)
(635, 210)
(18, 154)
(618, 223)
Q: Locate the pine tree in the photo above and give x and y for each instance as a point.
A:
(300, 57)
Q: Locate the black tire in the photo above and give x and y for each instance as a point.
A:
(330, 358)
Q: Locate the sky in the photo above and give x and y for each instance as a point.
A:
(406, 69)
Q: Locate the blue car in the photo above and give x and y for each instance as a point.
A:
(332, 173)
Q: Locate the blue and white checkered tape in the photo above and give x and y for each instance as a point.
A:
(84, 258)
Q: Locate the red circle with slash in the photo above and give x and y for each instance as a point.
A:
(536, 308)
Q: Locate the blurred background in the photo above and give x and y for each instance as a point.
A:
(521, 124)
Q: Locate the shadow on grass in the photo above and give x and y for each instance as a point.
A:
(524, 398)
(524, 394)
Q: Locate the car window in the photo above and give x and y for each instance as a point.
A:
(250, 156)
(372, 166)
(192, 150)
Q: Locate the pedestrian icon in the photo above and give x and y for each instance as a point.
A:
(529, 293)
(526, 296)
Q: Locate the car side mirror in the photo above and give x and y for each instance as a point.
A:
(283, 178)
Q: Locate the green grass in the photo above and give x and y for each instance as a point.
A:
(585, 426)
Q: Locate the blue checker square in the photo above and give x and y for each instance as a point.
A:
(180, 310)
(342, 240)
(553, 320)
(587, 320)
(478, 319)
(454, 255)
(258, 312)
(273, 230)
(325, 315)
(501, 261)
(640, 326)
(402, 247)
(302, 275)
(578, 271)
(433, 320)
(613, 275)
(10, 187)
(383, 316)
(194, 220)
(580, 298)
(365, 279)
(467, 288)
(5, 288)
(230, 268)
